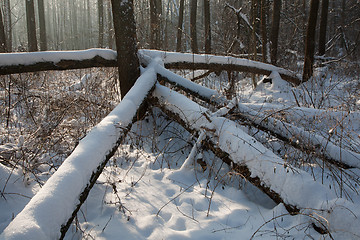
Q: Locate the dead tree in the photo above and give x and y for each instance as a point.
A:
(310, 41)
(125, 35)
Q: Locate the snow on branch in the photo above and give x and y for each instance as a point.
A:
(298, 135)
(11, 63)
(174, 60)
(204, 93)
(282, 182)
(51, 211)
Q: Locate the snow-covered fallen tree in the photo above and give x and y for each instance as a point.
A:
(11, 63)
(55, 60)
(191, 61)
(51, 211)
(282, 182)
(297, 136)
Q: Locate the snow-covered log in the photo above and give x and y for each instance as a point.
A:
(55, 60)
(11, 63)
(206, 94)
(282, 182)
(191, 61)
(51, 211)
(298, 136)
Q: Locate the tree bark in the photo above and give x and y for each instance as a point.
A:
(323, 26)
(264, 6)
(310, 41)
(2, 34)
(42, 25)
(8, 25)
(155, 15)
(110, 27)
(31, 26)
(207, 26)
(275, 31)
(193, 31)
(125, 35)
(180, 26)
(101, 22)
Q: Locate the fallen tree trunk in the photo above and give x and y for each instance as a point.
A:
(283, 183)
(51, 211)
(290, 134)
(11, 63)
(218, 63)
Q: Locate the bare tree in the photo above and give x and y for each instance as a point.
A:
(264, 6)
(180, 26)
(275, 30)
(7, 24)
(125, 35)
(101, 22)
(110, 26)
(155, 16)
(43, 40)
(310, 40)
(31, 27)
(2, 34)
(323, 26)
(207, 26)
(193, 31)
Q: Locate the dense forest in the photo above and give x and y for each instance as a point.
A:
(179, 119)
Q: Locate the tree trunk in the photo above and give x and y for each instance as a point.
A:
(7, 25)
(125, 35)
(323, 26)
(110, 27)
(180, 26)
(264, 6)
(310, 41)
(31, 27)
(2, 34)
(155, 15)
(43, 40)
(207, 26)
(193, 33)
(275, 31)
(101, 23)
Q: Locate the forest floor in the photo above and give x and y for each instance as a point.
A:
(143, 193)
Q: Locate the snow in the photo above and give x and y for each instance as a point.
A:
(295, 186)
(154, 189)
(28, 58)
(172, 57)
(52, 206)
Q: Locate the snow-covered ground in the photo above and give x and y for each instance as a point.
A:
(145, 193)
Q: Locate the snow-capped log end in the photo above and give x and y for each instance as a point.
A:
(51, 211)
